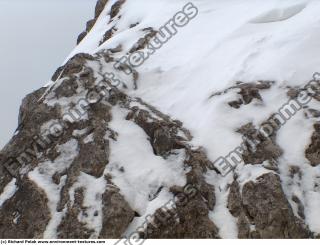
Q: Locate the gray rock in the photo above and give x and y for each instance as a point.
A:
(26, 214)
(263, 210)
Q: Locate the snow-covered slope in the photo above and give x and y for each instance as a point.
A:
(216, 78)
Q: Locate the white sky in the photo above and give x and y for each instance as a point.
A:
(36, 36)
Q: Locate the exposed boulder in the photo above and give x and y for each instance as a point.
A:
(117, 214)
(248, 92)
(313, 150)
(26, 213)
(263, 210)
(70, 226)
(98, 10)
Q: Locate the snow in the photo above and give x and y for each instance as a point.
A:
(221, 216)
(88, 139)
(94, 189)
(42, 176)
(8, 191)
(143, 172)
(293, 155)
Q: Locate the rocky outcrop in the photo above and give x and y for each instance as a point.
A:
(117, 214)
(26, 214)
(259, 148)
(246, 91)
(98, 10)
(263, 210)
(70, 226)
(313, 150)
(87, 125)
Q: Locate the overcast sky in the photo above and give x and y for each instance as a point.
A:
(36, 36)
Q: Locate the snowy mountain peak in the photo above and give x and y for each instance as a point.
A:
(173, 119)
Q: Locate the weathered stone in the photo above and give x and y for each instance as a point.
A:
(26, 214)
(98, 10)
(189, 219)
(258, 147)
(108, 35)
(99, 7)
(115, 9)
(263, 205)
(247, 91)
(68, 88)
(313, 150)
(117, 214)
(73, 66)
(300, 206)
(70, 226)
(143, 42)
(93, 158)
(161, 134)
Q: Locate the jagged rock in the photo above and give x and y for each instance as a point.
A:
(98, 10)
(259, 148)
(99, 7)
(143, 42)
(263, 210)
(313, 150)
(26, 214)
(70, 226)
(27, 142)
(293, 92)
(108, 35)
(117, 214)
(247, 91)
(73, 66)
(300, 207)
(5, 177)
(68, 89)
(81, 36)
(163, 133)
(188, 220)
(116, 8)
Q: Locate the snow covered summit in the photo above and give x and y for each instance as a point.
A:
(174, 119)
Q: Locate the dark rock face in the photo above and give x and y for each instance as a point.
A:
(73, 66)
(189, 220)
(70, 226)
(143, 42)
(263, 210)
(117, 214)
(108, 35)
(259, 148)
(313, 151)
(98, 10)
(99, 7)
(26, 214)
(5, 177)
(247, 92)
(165, 136)
(115, 9)
(162, 133)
